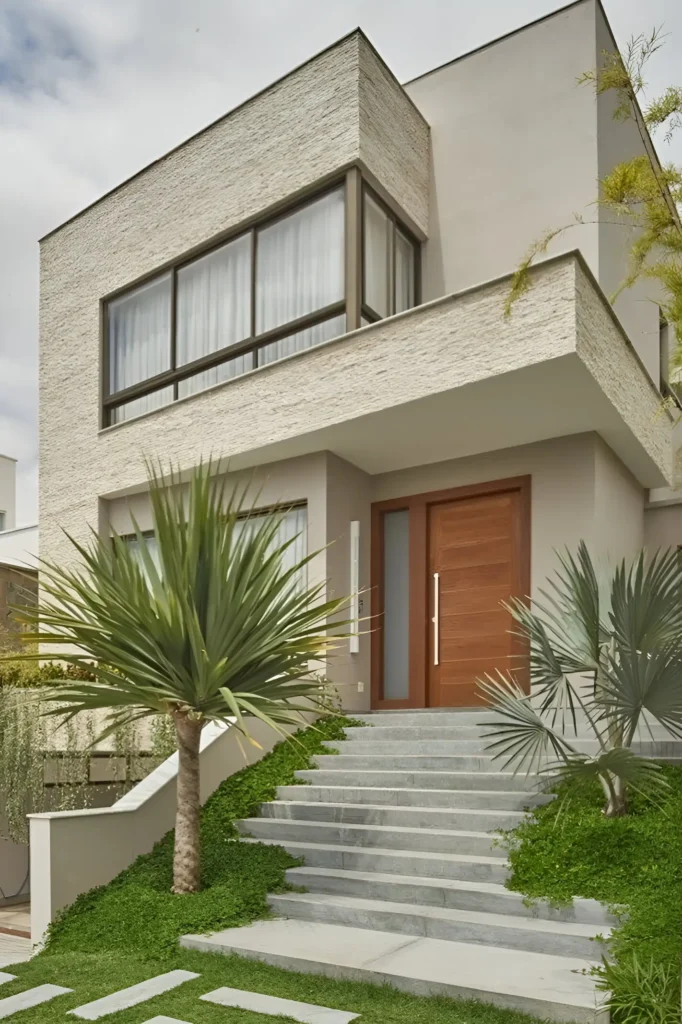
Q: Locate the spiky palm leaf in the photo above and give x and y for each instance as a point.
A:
(626, 638)
(216, 628)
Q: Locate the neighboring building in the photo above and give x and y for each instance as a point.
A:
(18, 553)
(311, 289)
(8, 472)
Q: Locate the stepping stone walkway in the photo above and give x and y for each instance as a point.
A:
(132, 996)
(32, 997)
(305, 1013)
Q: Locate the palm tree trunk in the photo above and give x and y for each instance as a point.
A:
(187, 857)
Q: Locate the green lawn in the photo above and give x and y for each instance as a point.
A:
(94, 975)
(568, 848)
(127, 931)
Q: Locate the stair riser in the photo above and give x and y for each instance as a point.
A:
(420, 780)
(339, 835)
(413, 924)
(398, 762)
(423, 719)
(423, 748)
(478, 746)
(381, 733)
(526, 1003)
(406, 817)
(495, 800)
(356, 859)
(509, 903)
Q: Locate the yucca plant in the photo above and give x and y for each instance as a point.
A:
(210, 627)
(601, 656)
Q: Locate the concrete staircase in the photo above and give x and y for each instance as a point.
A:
(403, 882)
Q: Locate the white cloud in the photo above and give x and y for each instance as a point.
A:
(90, 93)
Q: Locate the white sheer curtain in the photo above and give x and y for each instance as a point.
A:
(404, 272)
(300, 262)
(303, 339)
(377, 227)
(139, 343)
(213, 309)
(293, 526)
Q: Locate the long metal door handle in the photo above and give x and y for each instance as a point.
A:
(436, 617)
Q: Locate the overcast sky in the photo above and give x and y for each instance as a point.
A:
(92, 90)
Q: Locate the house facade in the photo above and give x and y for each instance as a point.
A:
(311, 290)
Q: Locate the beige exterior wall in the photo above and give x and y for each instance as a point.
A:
(518, 149)
(663, 527)
(514, 150)
(568, 499)
(618, 508)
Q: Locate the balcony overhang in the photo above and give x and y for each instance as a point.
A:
(449, 379)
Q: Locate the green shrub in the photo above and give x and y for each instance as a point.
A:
(569, 848)
(137, 913)
(28, 675)
(641, 992)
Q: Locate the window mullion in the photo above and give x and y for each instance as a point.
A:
(254, 270)
(173, 329)
(354, 249)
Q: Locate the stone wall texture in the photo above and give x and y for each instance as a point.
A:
(395, 143)
(301, 131)
(560, 315)
(612, 360)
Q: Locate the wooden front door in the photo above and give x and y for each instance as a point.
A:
(474, 562)
(442, 563)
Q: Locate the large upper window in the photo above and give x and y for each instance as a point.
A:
(267, 293)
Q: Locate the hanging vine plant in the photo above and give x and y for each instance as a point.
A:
(47, 768)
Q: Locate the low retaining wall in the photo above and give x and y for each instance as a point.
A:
(74, 851)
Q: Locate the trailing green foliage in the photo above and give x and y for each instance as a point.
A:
(641, 195)
(24, 675)
(46, 767)
(137, 911)
(569, 848)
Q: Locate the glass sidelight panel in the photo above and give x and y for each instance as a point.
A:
(396, 673)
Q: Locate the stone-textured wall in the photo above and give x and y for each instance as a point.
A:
(394, 138)
(614, 364)
(337, 382)
(302, 130)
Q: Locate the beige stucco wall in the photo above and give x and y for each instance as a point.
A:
(514, 150)
(618, 141)
(348, 498)
(663, 527)
(618, 508)
(518, 148)
(568, 476)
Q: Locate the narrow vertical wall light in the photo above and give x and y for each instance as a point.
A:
(354, 642)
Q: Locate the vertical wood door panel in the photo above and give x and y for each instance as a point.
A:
(475, 548)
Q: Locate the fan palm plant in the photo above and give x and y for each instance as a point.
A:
(210, 626)
(608, 657)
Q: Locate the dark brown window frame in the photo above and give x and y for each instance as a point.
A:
(367, 312)
(352, 304)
